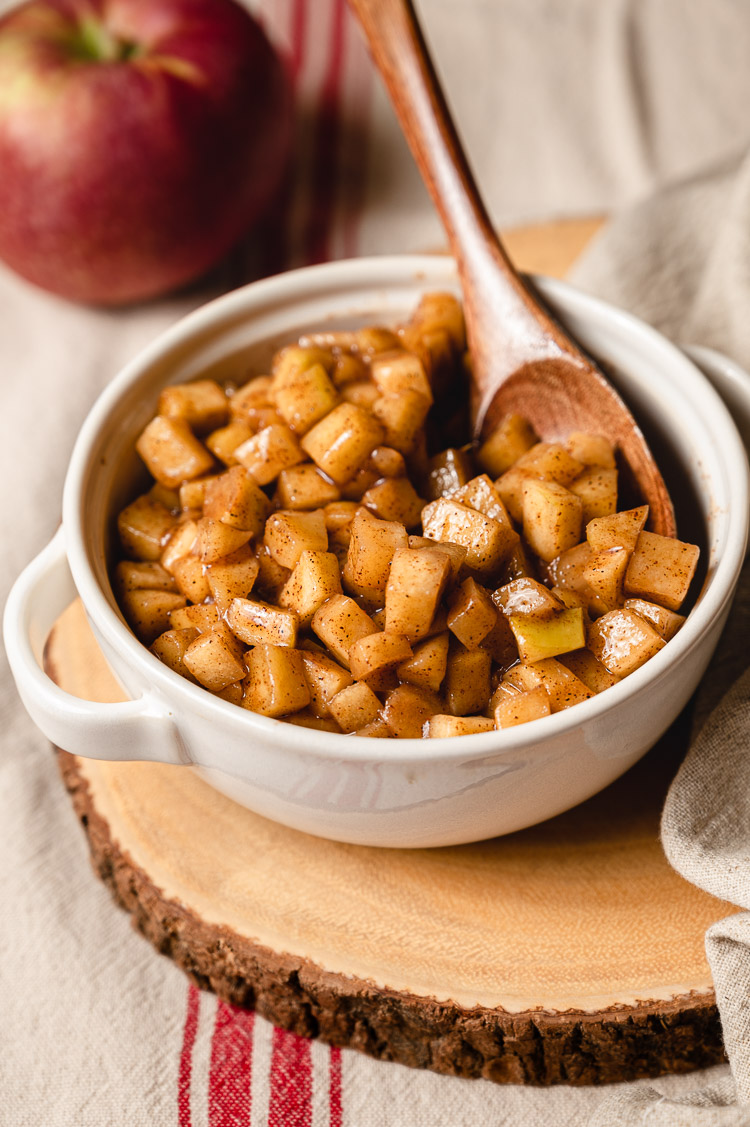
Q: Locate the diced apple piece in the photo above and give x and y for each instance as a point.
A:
(290, 362)
(232, 577)
(510, 490)
(526, 596)
(339, 623)
(147, 611)
(503, 691)
(517, 565)
(570, 599)
(563, 687)
(202, 404)
(550, 461)
(191, 579)
(271, 575)
(539, 638)
(567, 572)
(363, 480)
(661, 569)
(261, 624)
(597, 489)
(589, 670)
(442, 726)
(441, 311)
(623, 641)
(471, 614)
(520, 708)
(339, 515)
(214, 661)
(290, 533)
(664, 621)
(377, 729)
(170, 648)
(605, 574)
(407, 709)
(426, 668)
(591, 449)
(216, 540)
(232, 693)
(455, 552)
(315, 578)
(304, 487)
(132, 576)
(620, 530)
(235, 499)
(396, 372)
(487, 541)
(387, 462)
(394, 499)
(513, 436)
(371, 340)
(169, 498)
(267, 453)
(376, 653)
(342, 441)
(402, 416)
(203, 617)
(415, 586)
(447, 472)
(361, 393)
(306, 399)
(467, 688)
(307, 719)
(223, 442)
(347, 369)
(275, 684)
(325, 678)
(480, 494)
(500, 643)
(372, 547)
(171, 451)
(143, 527)
(551, 518)
(253, 394)
(192, 494)
(182, 542)
(354, 707)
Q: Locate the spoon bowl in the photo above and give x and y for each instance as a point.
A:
(522, 358)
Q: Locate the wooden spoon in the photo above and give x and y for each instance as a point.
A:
(523, 360)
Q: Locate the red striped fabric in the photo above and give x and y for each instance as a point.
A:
(290, 1103)
(335, 1106)
(189, 1032)
(231, 1068)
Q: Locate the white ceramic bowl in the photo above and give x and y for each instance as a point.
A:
(376, 792)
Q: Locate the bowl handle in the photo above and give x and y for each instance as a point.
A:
(134, 729)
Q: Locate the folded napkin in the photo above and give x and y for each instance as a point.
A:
(681, 260)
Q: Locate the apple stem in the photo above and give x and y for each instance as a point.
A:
(95, 43)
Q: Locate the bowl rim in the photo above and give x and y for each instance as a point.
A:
(393, 270)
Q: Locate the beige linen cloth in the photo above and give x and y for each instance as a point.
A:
(617, 97)
(681, 260)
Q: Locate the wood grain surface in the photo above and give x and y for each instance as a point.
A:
(568, 952)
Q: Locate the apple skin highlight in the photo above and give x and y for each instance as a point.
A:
(139, 140)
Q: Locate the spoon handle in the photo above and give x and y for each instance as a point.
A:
(494, 294)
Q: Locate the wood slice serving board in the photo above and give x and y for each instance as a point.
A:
(569, 952)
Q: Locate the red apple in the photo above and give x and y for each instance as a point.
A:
(138, 140)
